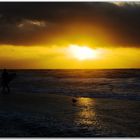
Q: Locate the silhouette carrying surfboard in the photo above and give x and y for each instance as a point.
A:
(6, 78)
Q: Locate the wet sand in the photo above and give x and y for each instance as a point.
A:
(46, 115)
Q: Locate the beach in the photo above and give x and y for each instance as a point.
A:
(70, 69)
(51, 115)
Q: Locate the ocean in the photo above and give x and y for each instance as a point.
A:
(40, 104)
(106, 83)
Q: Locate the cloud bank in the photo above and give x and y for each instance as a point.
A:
(43, 23)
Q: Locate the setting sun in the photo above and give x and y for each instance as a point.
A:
(82, 52)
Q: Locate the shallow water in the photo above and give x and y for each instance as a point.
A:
(91, 117)
(56, 116)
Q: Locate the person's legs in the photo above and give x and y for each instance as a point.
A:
(8, 88)
(3, 89)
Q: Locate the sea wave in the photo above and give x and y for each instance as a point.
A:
(120, 84)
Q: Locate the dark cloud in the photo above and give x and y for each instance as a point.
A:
(33, 23)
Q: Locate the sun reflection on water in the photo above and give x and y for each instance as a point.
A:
(85, 101)
(86, 115)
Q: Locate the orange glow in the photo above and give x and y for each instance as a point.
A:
(67, 57)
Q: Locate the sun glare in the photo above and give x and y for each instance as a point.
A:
(82, 52)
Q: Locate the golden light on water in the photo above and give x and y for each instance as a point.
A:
(87, 114)
(82, 52)
(85, 101)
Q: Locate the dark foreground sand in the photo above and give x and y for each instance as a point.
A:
(37, 115)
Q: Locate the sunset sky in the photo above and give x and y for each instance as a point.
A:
(63, 35)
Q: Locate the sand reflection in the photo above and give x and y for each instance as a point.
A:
(86, 114)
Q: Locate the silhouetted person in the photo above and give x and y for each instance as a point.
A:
(5, 81)
(74, 100)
